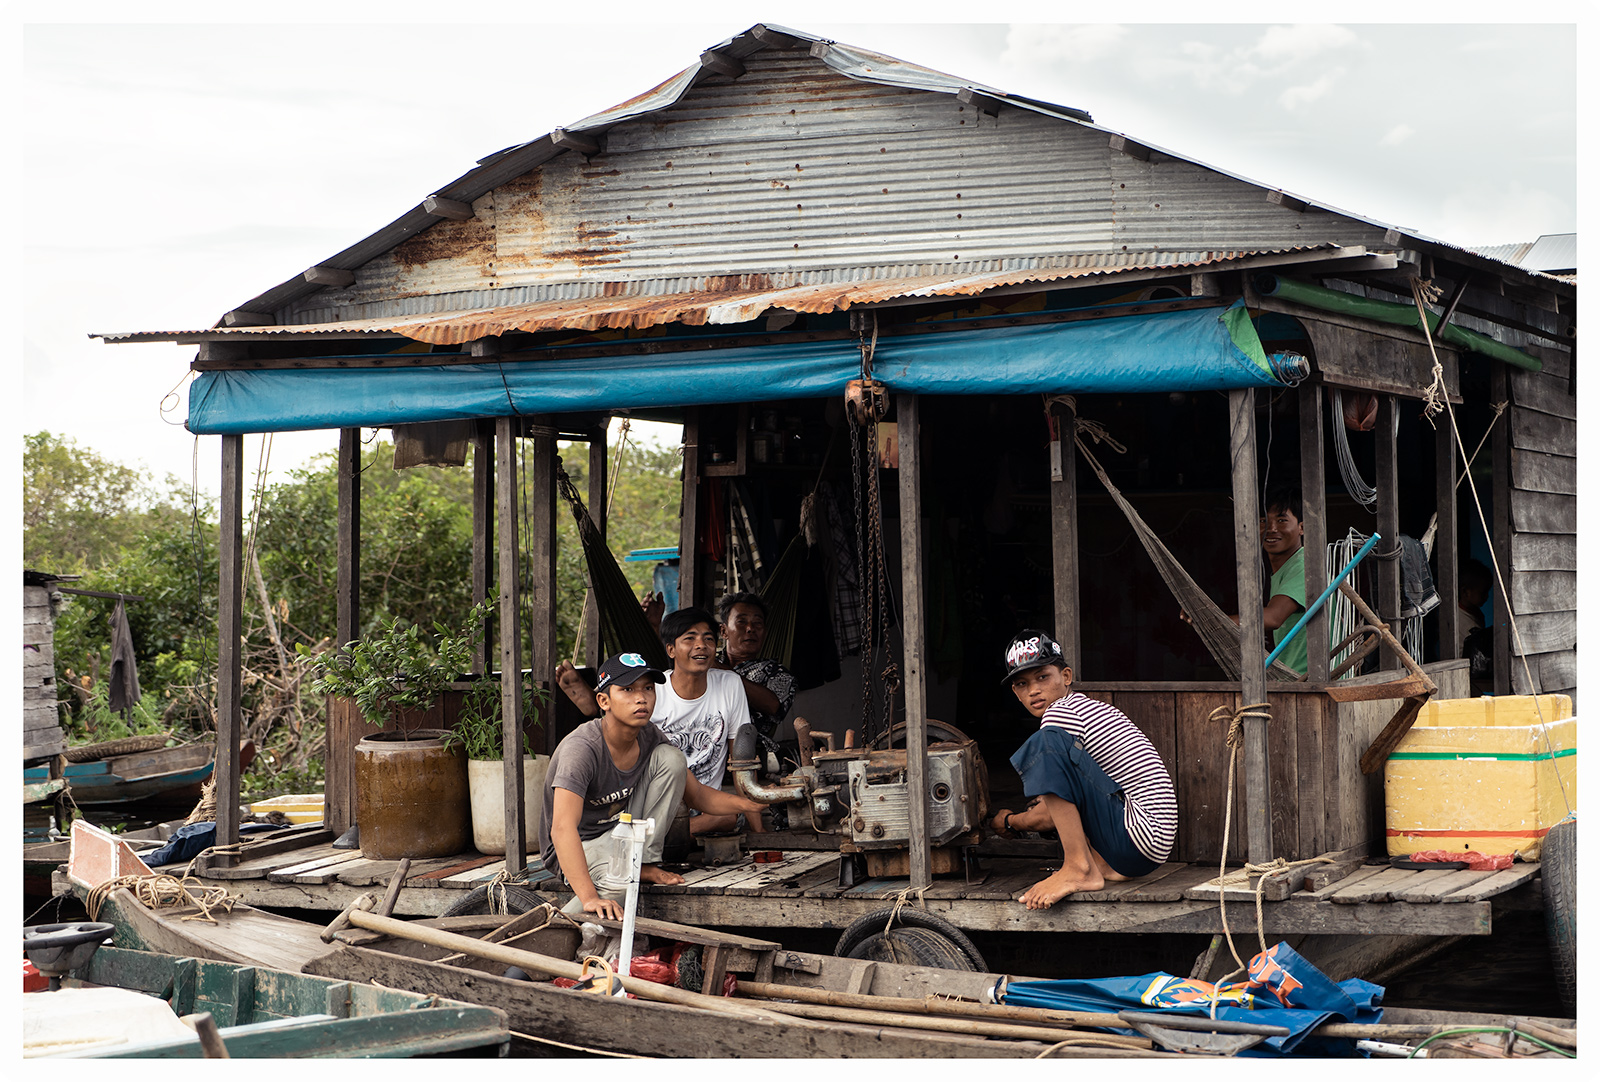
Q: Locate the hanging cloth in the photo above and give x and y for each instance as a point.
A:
(124, 690)
(1222, 637)
(622, 622)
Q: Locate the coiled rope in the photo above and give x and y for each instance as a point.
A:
(162, 891)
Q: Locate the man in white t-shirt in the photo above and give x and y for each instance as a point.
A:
(701, 708)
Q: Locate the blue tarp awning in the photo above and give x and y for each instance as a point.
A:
(1188, 350)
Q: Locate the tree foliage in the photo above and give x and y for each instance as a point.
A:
(114, 525)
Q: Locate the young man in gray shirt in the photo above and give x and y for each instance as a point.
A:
(618, 762)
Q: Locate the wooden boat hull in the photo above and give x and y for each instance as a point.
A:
(166, 774)
(263, 1012)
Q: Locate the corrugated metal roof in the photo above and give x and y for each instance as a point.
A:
(819, 241)
(735, 302)
(1552, 253)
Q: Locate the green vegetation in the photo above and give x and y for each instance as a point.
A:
(478, 731)
(120, 530)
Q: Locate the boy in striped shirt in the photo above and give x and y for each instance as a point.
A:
(1095, 779)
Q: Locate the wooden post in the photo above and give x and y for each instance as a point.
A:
(1252, 653)
(483, 488)
(1446, 543)
(1064, 533)
(688, 528)
(541, 515)
(1500, 524)
(1387, 573)
(912, 645)
(230, 601)
(510, 638)
(1314, 504)
(597, 511)
(339, 799)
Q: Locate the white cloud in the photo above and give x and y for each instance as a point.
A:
(1296, 96)
(1397, 135)
(1283, 45)
(1032, 44)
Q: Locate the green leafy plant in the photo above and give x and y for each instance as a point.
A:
(479, 732)
(397, 667)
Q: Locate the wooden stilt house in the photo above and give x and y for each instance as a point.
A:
(731, 248)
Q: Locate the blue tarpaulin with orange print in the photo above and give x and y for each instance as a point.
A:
(1280, 988)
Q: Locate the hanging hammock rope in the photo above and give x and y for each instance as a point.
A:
(1222, 637)
(622, 622)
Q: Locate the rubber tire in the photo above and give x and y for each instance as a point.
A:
(1559, 866)
(476, 902)
(912, 947)
(873, 924)
(938, 732)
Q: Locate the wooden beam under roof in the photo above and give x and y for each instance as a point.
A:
(240, 318)
(1130, 148)
(585, 143)
(1285, 200)
(453, 209)
(721, 64)
(330, 276)
(984, 103)
(771, 38)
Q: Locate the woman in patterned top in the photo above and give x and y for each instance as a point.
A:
(767, 684)
(1095, 779)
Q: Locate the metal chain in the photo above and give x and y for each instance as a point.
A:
(863, 583)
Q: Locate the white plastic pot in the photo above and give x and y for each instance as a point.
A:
(486, 782)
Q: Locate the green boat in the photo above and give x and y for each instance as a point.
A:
(259, 1012)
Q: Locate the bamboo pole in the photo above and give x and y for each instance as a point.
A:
(966, 1026)
(950, 1008)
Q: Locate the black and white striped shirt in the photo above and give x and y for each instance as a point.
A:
(1130, 760)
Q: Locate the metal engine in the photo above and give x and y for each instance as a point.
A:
(862, 795)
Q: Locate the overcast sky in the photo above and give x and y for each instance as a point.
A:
(173, 171)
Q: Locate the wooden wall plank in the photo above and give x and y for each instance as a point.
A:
(1557, 363)
(1544, 392)
(1534, 471)
(1310, 778)
(1544, 591)
(1544, 552)
(1447, 557)
(1500, 443)
(1533, 431)
(1544, 633)
(1201, 764)
(1544, 512)
(1556, 672)
(1282, 764)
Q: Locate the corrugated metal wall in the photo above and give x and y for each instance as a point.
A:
(796, 174)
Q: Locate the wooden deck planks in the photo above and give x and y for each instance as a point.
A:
(1372, 888)
(1115, 892)
(1498, 883)
(1431, 886)
(792, 865)
(1365, 872)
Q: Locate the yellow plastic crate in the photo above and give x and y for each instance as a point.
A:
(1482, 774)
(300, 808)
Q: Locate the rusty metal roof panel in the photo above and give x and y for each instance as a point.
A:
(716, 303)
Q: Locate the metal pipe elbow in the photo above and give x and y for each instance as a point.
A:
(750, 786)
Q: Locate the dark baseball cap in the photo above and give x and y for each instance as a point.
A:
(624, 669)
(1031, 649)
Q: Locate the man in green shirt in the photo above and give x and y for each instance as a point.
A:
(1283, 541)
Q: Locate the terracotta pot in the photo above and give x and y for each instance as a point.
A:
(411, 796)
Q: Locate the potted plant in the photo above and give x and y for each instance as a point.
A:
(479, 734)
(410, 787)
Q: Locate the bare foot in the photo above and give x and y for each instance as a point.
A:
(1048, 891)
(579, 692)
(655, 873)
